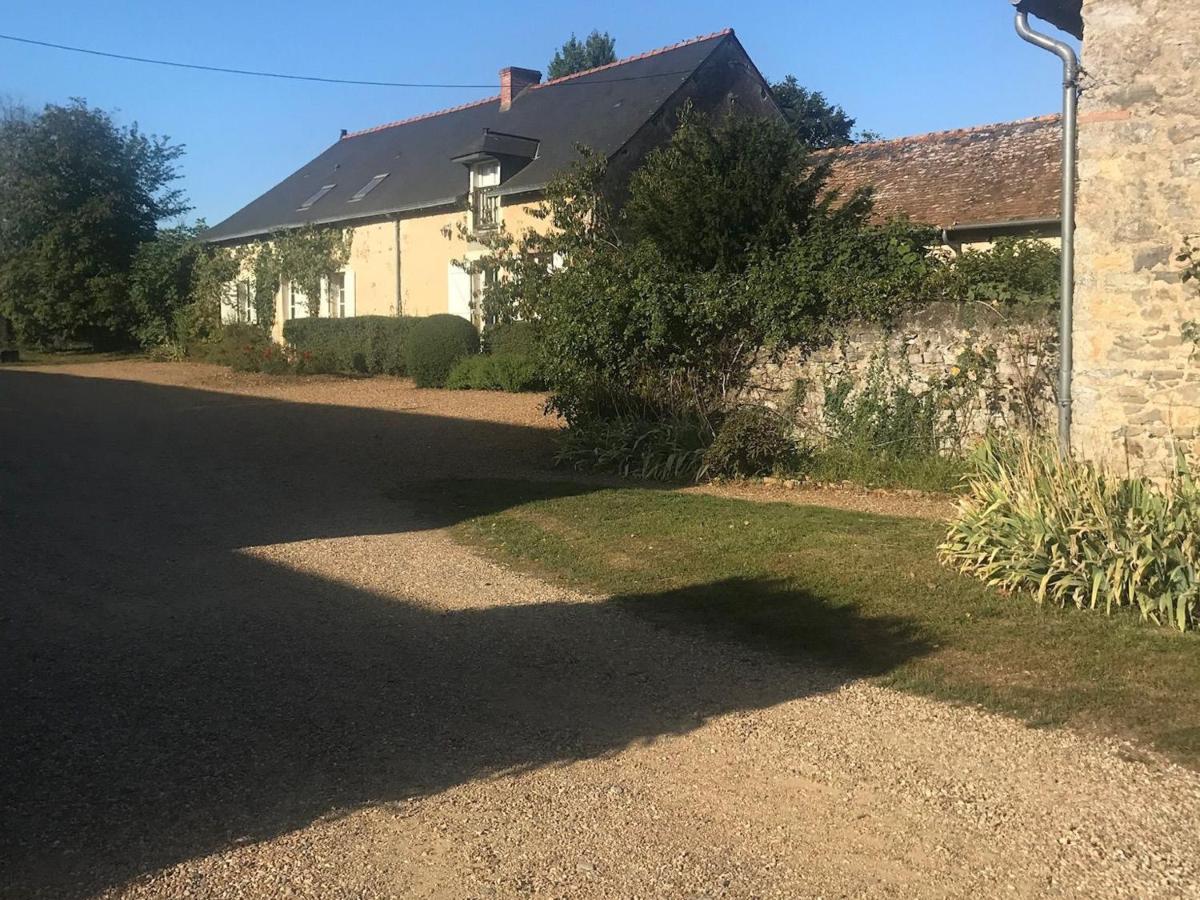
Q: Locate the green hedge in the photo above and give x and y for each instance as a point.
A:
(512, 372)
(370, 345)
(435, 344)
(510, 337)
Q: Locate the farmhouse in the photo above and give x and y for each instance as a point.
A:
(416, 193)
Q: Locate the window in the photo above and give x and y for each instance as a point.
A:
(337, 296)
(367, 188)
(245, 301)
(325, 189)
(297, 303)
(481, 280)
(485, 204)
(486, 209)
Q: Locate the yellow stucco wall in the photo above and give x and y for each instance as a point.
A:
(373, 260)
(427, 245)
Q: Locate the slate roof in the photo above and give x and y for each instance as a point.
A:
(601, 108)
(990, 174)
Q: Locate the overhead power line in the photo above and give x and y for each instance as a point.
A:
(291, 77)
(227, 71)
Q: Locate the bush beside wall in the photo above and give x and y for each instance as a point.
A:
(368, 345)
(512, 372)
(1067, 532)
(435, 344)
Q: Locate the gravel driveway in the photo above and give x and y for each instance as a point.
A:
(235, 664)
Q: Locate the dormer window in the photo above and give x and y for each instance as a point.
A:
(485, 203)
(367, 188)
(325, 189)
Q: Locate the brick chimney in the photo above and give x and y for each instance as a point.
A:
(513, 80)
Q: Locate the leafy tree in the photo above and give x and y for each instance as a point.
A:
(817, 122)
(78, 196)
(576, 55)
(659, 308)
(161, 282)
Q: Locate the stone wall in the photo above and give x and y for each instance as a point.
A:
(1136, 387)
(1000, 365)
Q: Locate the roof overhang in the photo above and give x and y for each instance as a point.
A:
(348, 221)
(496, 144)
(1064, 14)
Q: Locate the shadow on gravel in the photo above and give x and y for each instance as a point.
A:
(165, 696)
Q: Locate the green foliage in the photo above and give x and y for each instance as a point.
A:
(304, 256)
(817, 122)
(888, 414)
(435, 344)
(576, 55)
(372, 345)
(751, 441)
(1067, 532)
(512, 372)
(663, 305)
(511, 337)
(213, 269)
(837, 465)
(1013, 271)
(78, 196)
(161, 279)
(245, 348)
(660, 449)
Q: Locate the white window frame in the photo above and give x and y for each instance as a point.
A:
(375, 181)
(297, 302)
(484, 175)
(335, 295)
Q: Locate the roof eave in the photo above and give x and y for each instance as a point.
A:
(330, 220)
(1064, 14)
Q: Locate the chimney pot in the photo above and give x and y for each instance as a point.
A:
(513, 80)
(344, 132)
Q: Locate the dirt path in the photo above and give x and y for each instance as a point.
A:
(235, 664)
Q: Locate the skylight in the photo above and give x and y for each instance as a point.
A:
(325, 189)
(367, 188)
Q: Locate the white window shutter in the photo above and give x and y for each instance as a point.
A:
(348, 287)
(324, 298)
(229, 311)
(459, 290)
(251, 308)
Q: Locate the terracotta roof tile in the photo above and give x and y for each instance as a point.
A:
(1007, 172)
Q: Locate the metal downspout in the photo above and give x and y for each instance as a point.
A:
(1067, 289)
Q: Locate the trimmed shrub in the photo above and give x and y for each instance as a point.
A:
(512, 372)
(367, 345)
(242, 347)
(751, 441)
(1065, 531)
(660, 450)
(511, 337)
(435, 344)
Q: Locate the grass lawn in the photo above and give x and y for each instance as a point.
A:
(857, 591)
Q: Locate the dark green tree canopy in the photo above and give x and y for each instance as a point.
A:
(576, 55)
(727, 244)
(78, 195)
(817, 122)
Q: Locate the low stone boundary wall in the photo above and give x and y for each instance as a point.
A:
(1001, 363)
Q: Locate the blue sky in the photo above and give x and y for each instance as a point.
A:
(899, 68)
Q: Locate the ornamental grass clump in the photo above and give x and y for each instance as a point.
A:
(1068, 532)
